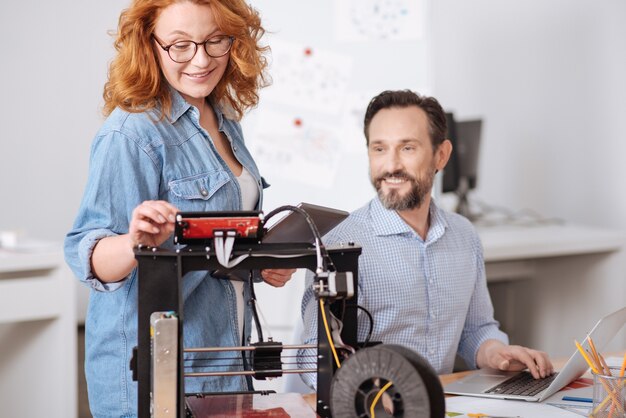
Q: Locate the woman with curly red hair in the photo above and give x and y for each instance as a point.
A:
(184, 73)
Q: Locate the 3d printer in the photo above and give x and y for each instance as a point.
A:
(233, 241)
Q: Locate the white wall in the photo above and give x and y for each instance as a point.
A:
(54, 65)
(549, 78)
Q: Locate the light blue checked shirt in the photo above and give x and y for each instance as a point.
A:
(428, 295)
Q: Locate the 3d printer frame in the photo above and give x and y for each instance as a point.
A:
(160, 275)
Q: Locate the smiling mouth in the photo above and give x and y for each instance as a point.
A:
(198, 75)
(394, 180)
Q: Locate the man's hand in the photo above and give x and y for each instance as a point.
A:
(496, 355)
(277, 277)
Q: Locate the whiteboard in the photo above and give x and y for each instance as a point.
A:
(328, 59)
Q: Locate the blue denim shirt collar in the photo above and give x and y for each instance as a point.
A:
(180, 106)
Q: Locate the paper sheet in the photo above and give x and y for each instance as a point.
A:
(306, 77)
(581, 388)
(464, 405)
(367, 20)
(287, 145)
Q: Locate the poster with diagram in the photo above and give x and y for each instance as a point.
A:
(296, 135)
(288, 146)
(386, 20)
(307, 77)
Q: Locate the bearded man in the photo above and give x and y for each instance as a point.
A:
(421, 271)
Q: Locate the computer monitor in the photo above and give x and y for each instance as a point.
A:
(461, 172)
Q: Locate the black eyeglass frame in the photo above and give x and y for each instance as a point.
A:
(166, 48)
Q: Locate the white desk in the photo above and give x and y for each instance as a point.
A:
(38, 373)
(514, 243)
(551, 283)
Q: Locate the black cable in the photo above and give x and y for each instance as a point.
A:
(252, 303)
(371, 321)
(307, 217)
(369, 315)
(326, 260)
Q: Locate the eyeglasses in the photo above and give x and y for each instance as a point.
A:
(184, 51)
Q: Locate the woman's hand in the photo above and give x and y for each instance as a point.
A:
(277, 277)
(152, 223)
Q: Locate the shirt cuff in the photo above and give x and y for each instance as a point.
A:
(474, 342)
(85, 250)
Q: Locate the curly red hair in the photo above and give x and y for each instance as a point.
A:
(136, 83)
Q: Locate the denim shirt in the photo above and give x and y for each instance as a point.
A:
(137, 157)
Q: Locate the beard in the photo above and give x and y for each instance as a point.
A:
(414, 198)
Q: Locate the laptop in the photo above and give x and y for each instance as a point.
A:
(487, 383)
(294, 228)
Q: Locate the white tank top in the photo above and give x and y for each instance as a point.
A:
(249, 190)
(249, 199)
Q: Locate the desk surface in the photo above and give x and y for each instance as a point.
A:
(528, 242)
(36, 255)
(276, 405)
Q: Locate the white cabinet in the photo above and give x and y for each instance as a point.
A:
(550, 283)
(38, 371)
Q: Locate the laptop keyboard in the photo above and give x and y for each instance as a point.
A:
(522, 384)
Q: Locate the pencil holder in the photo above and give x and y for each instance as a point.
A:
(609, 395)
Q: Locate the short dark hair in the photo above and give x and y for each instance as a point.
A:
(405, 98)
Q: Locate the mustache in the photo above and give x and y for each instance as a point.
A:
(399, 174)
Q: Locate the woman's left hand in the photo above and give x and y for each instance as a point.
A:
(277, 277)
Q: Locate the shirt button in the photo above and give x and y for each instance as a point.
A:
(204, 193)
(431, 352)
(235, 149)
